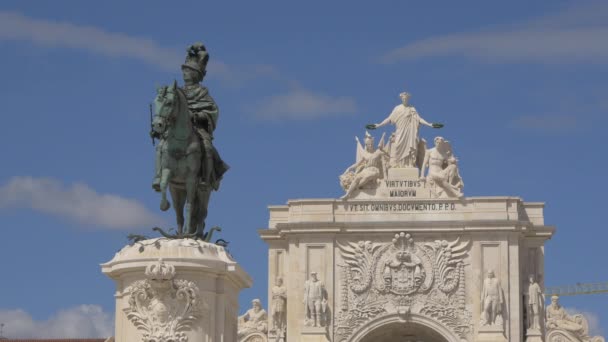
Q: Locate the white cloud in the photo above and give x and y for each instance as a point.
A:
(595, 329)
(233, 76)
(573, 35)
(303, 104)
(18, 27)
(547, 123)
(77, 202)
(84, 321)
(15, 26)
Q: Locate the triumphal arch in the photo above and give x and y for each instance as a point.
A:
(404, 255)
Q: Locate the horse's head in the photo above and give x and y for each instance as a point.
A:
(166, 103)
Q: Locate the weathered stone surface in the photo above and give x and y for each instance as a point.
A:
(421, 261)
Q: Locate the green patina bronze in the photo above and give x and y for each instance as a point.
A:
(187, 163)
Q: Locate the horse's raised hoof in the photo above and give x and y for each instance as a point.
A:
(165, 205)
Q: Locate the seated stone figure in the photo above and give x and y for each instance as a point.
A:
(559, 322)
(443, 173)
(254, 320)
(368, 168)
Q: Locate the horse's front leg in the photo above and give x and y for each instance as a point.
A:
(190, 196)
(178, 196)
(164, 181)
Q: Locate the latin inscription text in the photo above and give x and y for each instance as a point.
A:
(401, 207)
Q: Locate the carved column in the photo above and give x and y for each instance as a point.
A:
(175, 290)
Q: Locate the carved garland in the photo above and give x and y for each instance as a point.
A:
(403, 276)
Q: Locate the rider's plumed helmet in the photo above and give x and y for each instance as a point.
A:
(197, 58)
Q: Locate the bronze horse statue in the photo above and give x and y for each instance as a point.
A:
(180, 164)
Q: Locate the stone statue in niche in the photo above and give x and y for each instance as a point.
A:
(254, 320)
(315, 302)
(536, 302)
(368, 168)
(405, 148)
(492, 300)
(279, 307)
(443, 175)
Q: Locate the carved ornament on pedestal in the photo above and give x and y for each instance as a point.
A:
(402, 277)
(162, 307)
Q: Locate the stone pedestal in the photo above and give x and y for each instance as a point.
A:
(491, 334)
(533, 335)
(404, 173)
(181, 289)
(314, 334)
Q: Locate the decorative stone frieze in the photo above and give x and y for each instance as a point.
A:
(404, 277)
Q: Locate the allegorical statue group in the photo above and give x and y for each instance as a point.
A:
(187, 163)
(404, 150)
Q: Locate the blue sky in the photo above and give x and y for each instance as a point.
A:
(519, 85)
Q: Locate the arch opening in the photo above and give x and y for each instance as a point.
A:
(412, 328)
(403, 331)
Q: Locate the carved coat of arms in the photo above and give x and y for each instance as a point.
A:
(162, 307)
(403, 276)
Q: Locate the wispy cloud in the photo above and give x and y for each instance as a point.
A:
(84, 321)
(15, 26)
(298, 104)
(573, 35)
(547, 123)
(595, 329)
(18, 27)
(233, 76)
(302, 104)
(76, 202)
